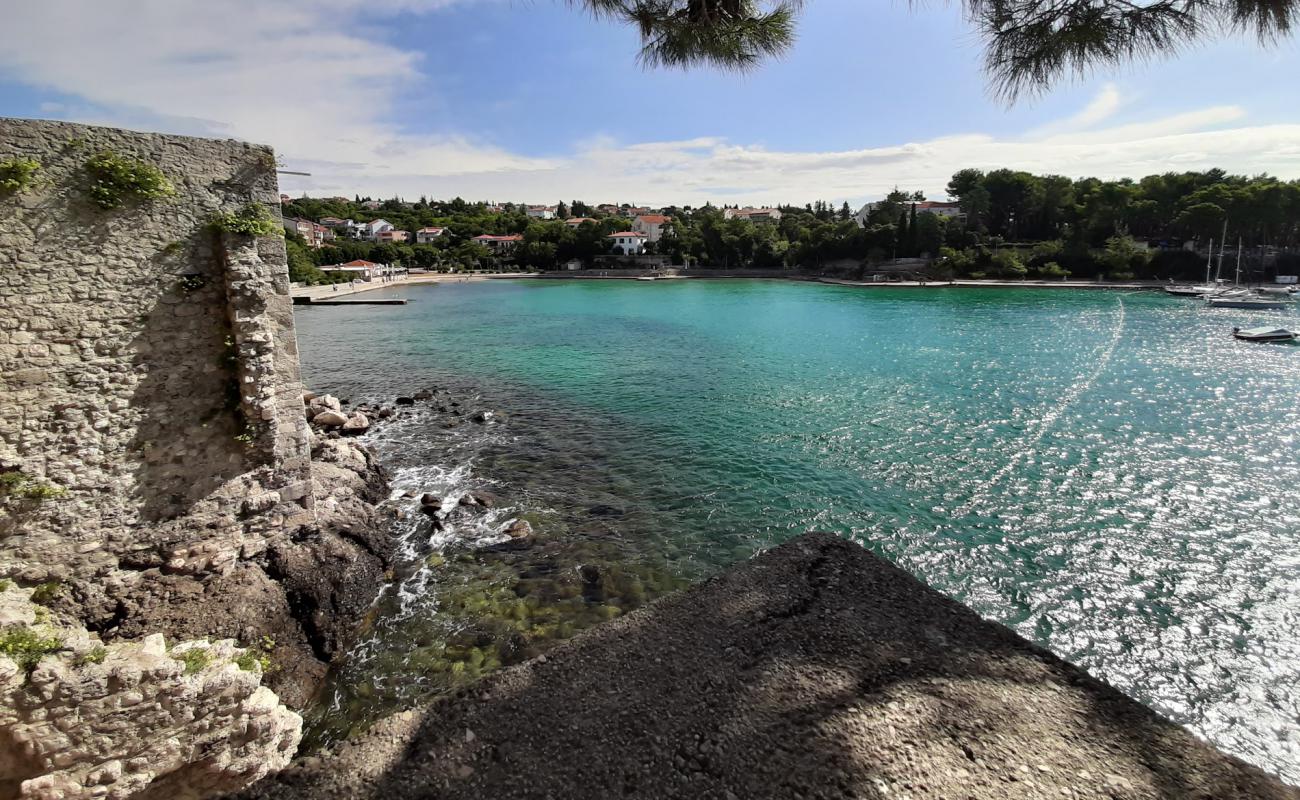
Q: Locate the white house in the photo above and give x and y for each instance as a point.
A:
(371, 230)
(426, 235)
(651, 225)
(541, 212)
(939, 209)
(629, 243)
(753, 214)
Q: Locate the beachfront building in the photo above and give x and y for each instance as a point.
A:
(574, 222)
(392, 236)
(541, 212)
(359, 269)
(628, 243)
(499, 244)
(651, 225)
(427, 235)
(753, 214)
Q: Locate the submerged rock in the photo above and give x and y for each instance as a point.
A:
(423, 394)
(405, 401)
(519, 529)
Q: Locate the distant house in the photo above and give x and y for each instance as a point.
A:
(371, 205)
(753, 214)
(940, 209)
(360, 269)
(333, 222)
(651, 225)
(426, 235)
(635, 211)
(313, 234)
(574, 222)
(499, 244)
(628, 243)
(541, 212)
(573, 264)
(371, 230)
(300, 226)
(391, 237)
(608, 209)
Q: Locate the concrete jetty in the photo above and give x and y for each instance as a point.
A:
(373, 301)
(816, 670)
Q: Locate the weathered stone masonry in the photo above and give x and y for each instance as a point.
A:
(150, 371)
(124, 332)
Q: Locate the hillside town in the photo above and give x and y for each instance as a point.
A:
(1002, 224)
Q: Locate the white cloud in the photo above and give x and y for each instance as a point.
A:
(224, 69)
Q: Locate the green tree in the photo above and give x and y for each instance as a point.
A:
(1028, 44)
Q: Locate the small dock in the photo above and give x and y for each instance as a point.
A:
(378, 301)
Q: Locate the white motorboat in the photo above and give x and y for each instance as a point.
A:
(646, 278)
(1264, 334)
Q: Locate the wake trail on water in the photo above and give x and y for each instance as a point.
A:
(1048, 420)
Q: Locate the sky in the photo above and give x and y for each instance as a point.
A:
(536, 101)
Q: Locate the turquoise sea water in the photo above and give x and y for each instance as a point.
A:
(1109, 474)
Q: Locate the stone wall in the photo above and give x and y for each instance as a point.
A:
(132, 330)
(160, 475)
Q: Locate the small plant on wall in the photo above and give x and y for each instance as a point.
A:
(115, 179)
(252, 220)
(16, 174)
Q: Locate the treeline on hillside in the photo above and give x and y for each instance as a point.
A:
(1014, 224)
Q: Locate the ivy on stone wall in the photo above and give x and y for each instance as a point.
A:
(115, 179)
(16, 174)
(252, 220)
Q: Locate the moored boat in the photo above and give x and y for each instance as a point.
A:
(1264, 334)
(1246, 300)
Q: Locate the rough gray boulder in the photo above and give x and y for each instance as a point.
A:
(816, 670)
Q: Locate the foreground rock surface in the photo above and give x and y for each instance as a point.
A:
(815, 670)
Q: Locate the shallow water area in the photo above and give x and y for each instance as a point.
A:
(1108, 473)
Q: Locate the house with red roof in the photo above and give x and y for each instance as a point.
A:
(359, 268)
(651, 225)
(499, 244)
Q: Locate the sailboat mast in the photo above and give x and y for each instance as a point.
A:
(1223, 245)
(1237, 279)
(1209, 259)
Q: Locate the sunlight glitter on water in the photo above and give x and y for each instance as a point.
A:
(1114, 477)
